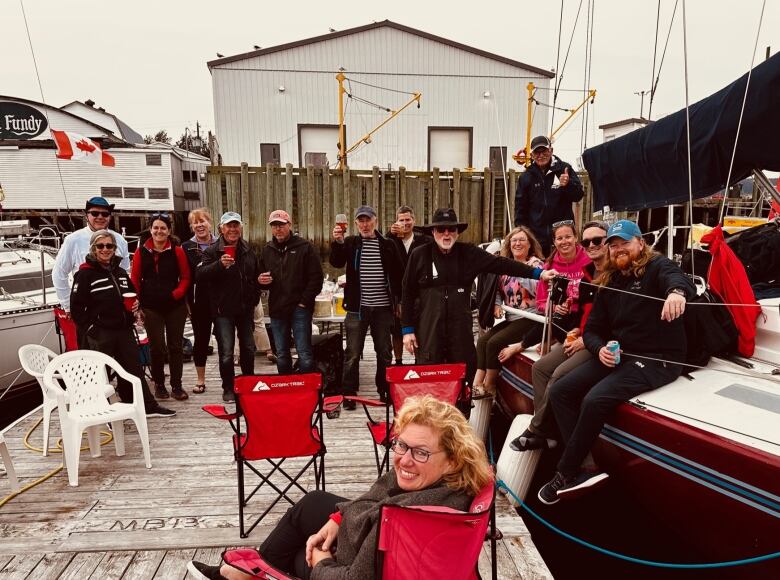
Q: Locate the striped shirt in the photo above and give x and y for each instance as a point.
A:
(373, 282)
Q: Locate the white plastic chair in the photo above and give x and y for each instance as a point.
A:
(9, 465)
(84, 374)
(34, 358)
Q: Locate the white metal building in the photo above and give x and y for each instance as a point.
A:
(619, 128)
(144, 178)
(280, 104)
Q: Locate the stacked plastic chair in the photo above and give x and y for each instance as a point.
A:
(277, 417)
(445, 382)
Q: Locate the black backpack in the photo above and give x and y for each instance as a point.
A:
(710, 330)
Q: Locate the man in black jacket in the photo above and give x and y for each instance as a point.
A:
(640, 307)
(373, 291)
(436, 307)
(545, 192)
(291, 270)
(230, 268)
(406, 239)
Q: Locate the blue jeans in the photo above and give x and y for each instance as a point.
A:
(225, 329)
(379, 321)
(300, 324)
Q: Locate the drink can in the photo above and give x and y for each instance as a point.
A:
(613, 346)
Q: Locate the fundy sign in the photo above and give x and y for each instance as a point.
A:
(18, 121)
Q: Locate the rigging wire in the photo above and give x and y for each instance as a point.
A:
(586, 75)
(661, 64)
(503, 163)
(566, 58)
(45, 110)
(380, 88)
(741, 113)
(655, 52)
(687, 134)
(557, 63)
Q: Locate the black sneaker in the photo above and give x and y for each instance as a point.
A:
(349, 405)
(228, 396)
(160, 411)
(160, 391)
(179, 394)
(549, 492)
(582, 483)
(202, 571)
(529, 441)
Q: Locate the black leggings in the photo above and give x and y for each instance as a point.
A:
(200, 317)
(285, 546)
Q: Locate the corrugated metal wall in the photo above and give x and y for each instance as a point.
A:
(250, 109)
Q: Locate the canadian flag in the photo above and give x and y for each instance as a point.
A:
(77, 147)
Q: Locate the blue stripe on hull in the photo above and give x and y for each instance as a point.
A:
(743, 492)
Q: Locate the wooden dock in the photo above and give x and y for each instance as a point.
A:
(124, 521)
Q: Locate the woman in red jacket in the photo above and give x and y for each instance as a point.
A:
(161, 274)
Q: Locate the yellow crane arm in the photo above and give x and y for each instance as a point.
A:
(367, 137)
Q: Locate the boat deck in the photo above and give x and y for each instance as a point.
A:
(124, 521)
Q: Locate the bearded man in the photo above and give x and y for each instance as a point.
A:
(640, 304)
(436, 314)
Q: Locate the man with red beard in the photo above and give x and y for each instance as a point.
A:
(640, 305)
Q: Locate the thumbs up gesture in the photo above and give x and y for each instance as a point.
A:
(564, 178)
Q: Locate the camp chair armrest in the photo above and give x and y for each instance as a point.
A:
(332, 403)
(435, 508)
(219, 412)
(366, 402)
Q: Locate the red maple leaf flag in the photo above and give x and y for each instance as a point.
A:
(77, 147)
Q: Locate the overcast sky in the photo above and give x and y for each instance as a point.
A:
(145, 61)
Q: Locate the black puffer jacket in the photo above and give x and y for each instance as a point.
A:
(232, 291)
(538, 204)
(297, 275)
(96, 297)
(348, 254)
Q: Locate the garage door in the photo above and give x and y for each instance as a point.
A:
(319, 145)
(449, 147)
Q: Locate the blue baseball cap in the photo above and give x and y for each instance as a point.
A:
(365, 210)
(624, 229)
(229, 216)
(98, 201)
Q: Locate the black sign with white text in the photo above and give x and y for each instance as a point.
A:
(19, 121)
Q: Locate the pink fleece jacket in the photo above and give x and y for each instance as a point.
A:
(572, 270)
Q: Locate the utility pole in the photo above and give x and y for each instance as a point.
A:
(642, 103)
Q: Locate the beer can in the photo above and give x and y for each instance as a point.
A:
(614, 347)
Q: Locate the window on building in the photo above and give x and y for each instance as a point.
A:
(154, 159)
(449, 147)
(158, 193)
(111, 191)
(187, 176)
(269, 153)
(134, 193)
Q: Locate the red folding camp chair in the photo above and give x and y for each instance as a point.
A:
(445, 382)
(413, 542)
(66, 329)
(277, 418)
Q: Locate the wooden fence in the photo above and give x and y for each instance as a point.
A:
(313, 196)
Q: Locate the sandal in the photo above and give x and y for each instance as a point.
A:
(198, 389)
(530, 441)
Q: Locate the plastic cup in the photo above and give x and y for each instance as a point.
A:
(231, 251)
(129, 299)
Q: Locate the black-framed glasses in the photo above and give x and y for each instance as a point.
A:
(95, 213)
(445, 229)
(563, 223)
(597, 241)
(161, 214)
(418, 454)
(105, 246)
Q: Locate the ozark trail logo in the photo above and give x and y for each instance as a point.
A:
(261, 386)
(411, 375)
(19, 121)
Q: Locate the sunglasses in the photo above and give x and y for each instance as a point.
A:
(161, 214)
(99, 213)
(563, 223)
(445, 229)
(597, 241)
(105, 246)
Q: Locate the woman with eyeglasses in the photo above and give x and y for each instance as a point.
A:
(98, 309)
(161, 273)
(437, 460)
(520, 245)
(567, 354)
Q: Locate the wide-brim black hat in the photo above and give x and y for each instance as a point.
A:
(445, 217)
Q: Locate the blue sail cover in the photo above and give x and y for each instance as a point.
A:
(649, 167)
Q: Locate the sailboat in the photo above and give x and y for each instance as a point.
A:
(703, 451)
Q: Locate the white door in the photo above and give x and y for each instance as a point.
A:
(449, 148)
(320, 140)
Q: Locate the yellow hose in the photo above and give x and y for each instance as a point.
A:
(57, 449)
